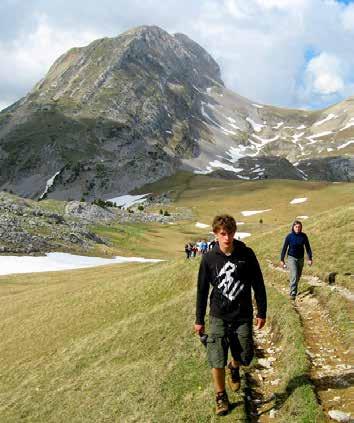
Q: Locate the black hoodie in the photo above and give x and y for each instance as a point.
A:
(231, 278)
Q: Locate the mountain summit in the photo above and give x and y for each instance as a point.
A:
(124, 111)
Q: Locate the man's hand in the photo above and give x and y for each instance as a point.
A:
(260, 322)
(309, 262)
(199, 329)
(282, 264)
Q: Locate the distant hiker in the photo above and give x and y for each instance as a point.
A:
(194, 250)
(204, 247)
(212, 244)
(231, 269)
(199, 247)
(188, 250)
(294, 244)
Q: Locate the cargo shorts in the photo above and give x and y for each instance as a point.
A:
(224, 335)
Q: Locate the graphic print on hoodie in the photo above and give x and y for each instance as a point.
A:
(227, 284)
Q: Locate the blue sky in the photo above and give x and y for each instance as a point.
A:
(291, 53)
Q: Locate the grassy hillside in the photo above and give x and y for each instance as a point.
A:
(116, 343)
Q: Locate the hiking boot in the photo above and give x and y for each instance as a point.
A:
(233, 378)
(292, 297)
(222, 404)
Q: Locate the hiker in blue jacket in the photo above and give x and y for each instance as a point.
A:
(294, 244)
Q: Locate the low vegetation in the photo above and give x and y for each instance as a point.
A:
(116, 343)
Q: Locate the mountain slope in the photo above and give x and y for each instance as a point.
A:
(125, 111)
(104, 115)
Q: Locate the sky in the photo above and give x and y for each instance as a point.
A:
(289, 53)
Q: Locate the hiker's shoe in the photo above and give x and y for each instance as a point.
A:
(292, 297)
(222, 404)
(233, 378)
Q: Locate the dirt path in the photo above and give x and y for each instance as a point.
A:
(332, 370)
(262, 379)
(316, 281)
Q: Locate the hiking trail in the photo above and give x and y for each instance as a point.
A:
(332, 370)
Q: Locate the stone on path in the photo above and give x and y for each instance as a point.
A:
(272, 414)
(339, 416)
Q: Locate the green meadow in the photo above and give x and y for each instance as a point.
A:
(116, 343)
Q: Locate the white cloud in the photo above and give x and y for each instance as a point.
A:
(348, 18)
(260, 45)
(281, 4)
(29, 56)
(325, 74)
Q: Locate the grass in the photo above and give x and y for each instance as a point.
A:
(331, 238)
(115, 343)
(105, 344)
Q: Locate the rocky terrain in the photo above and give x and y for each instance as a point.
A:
(125, 111)
(28, 227)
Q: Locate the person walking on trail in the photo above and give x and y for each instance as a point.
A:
(230, 269)
(294, 244)
(188, 250)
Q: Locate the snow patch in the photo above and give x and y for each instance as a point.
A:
(329, 117)
(296, 137)
(207, 116)
(345, 145)
(236, 153)
(201, 225)
(301, 127)
(257, 127)
(218, 164)
(348, 125)
(59, 261)
(302, 217)
(232, 123)
(265, 141)
(252, 212)
(49, 184)
(258, 170)
(257, 105)
(298, 200)
(321, 134)
(304, 176)
(313, 139)
(278, 125)
(128, 200)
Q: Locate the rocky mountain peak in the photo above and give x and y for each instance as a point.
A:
(125, 111)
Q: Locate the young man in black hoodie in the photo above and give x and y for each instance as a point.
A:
(231, 269)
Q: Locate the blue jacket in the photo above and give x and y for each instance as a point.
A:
(295, 244)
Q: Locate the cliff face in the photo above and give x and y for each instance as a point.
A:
(124, 111)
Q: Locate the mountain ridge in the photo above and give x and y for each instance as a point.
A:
(125, 111)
